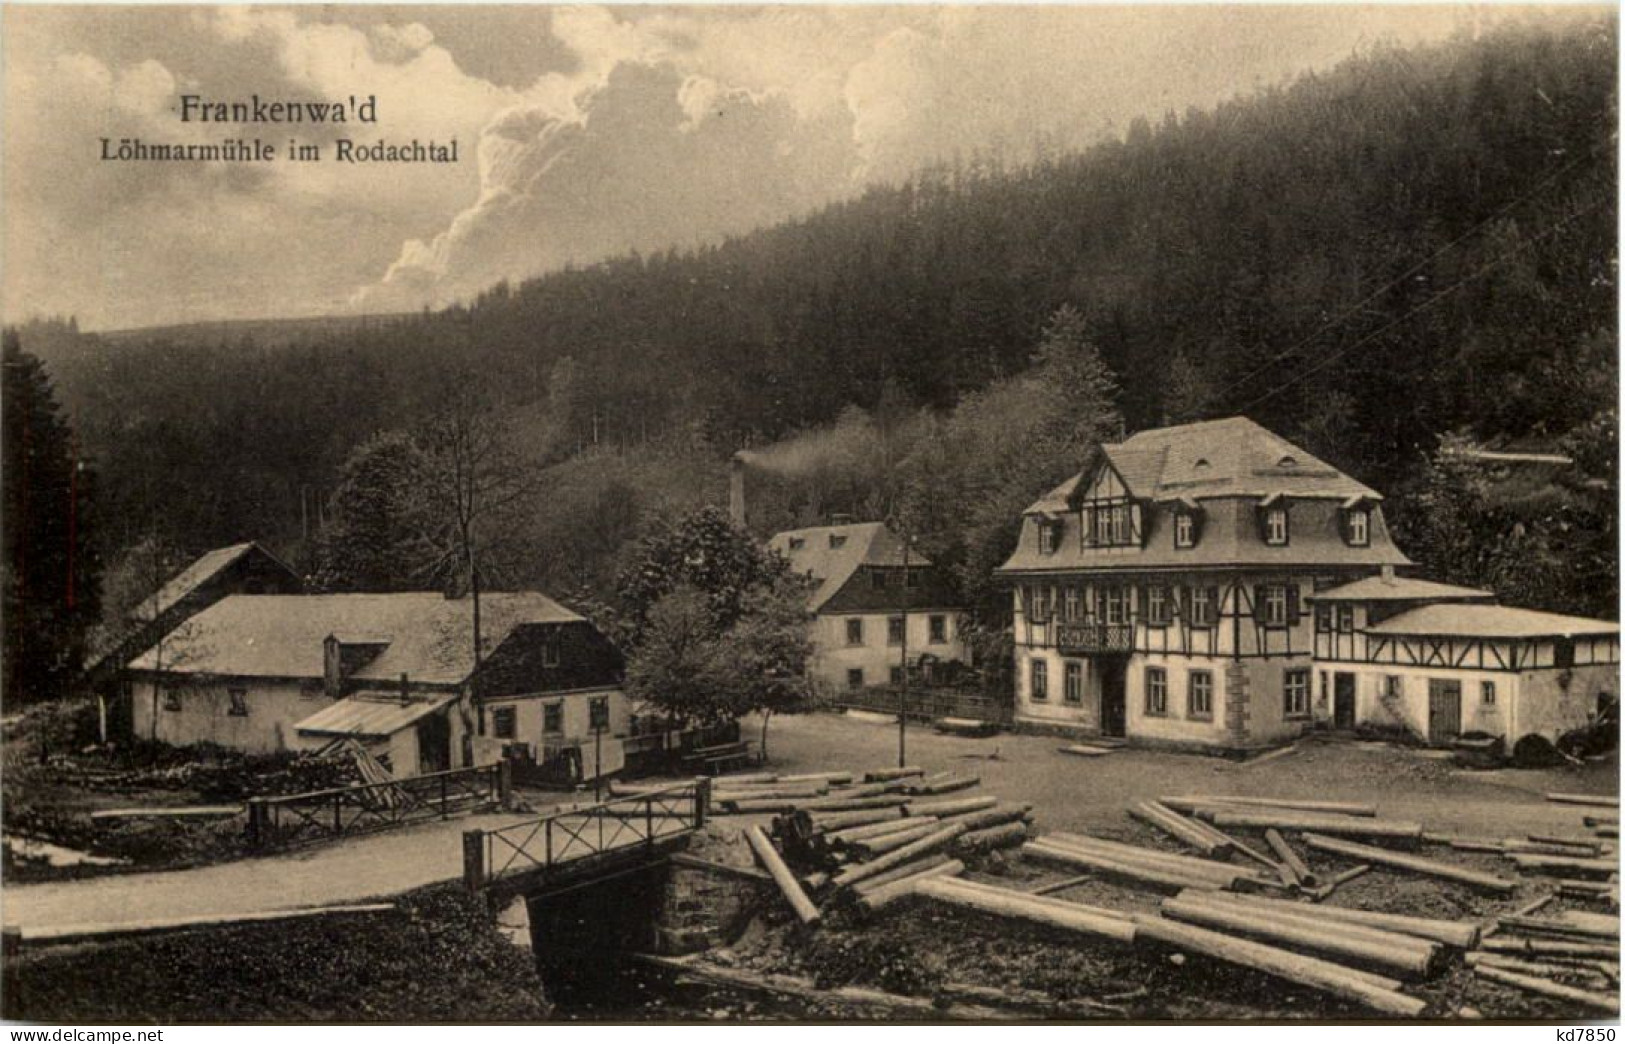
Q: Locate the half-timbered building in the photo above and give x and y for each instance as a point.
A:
(1213, 584)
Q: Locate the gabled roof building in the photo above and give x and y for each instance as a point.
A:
(1189, 585)
(875, 603)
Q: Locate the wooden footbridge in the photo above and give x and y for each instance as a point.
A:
(585, 843)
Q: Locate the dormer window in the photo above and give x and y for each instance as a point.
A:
(1276, 531)
(836, 541)
(798, 543)
(1049, 537)
(1357, 527)
(1287, 462)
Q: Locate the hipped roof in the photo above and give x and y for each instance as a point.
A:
(865, 544)
(281, 636)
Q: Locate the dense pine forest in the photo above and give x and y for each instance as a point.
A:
(1417, 248)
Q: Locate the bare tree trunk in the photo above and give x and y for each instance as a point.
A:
(767, 715)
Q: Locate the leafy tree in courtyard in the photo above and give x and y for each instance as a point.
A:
(717, 626)
(52, 578)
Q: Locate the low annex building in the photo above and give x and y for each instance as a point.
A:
(874, 601)
(1212, 584)
(395, 672)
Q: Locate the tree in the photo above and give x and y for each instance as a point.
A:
(766, 652)
(53, 578)
(704, 552)
(378, 519)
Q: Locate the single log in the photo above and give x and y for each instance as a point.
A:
(1245, 849)
(894, 786)
(74, 933)
(882, 775)
(1548, 926)
(769, 858)
(1465, 844)
(952, 807)
(980, 842)
(832, 778)
(897, 873)
(1082, 751)
(1462, 934)
(746, 777)
(891, 842)
(1601, 922)
(1565, 866)
(868, 830)
(1585, 887)
(756, 806)
(1551, 966)
(1177, 827)
(945, 786)
(1335, 979)
(1298, 872)
(1595, 800)
(1320, 823)
(1521, 846)
(932, 842)
(188, 812)
(1070, 917)
(728, 797)
(853, 804)
(1595, 821)
(1606, 831)
(1346, 808)
(1416, 864)
(1063, 885)
(1288, 931)
(1550, 947)
(1608, 1002)
(1567, 842)
(1136, 873)
(873, 900)
(981, 819)
(1118, 849)
(828, 822)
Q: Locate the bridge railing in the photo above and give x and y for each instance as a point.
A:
(293, 819)
(568, 834)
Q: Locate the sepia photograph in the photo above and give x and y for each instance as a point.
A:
(1093, 514)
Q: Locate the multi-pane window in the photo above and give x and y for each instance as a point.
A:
(550, 653)
(1274, 607)
(1071, 604)
(1203, 606)
(1120, 525)
(1156, 605)
(1488, 691)
(503, 722)
(1393, 686)
(553, 717)
(894, 630)
(239, 702)
(1295, 691)
(854, 631)
(1073, 692)
(1323, 617)
(939, 629)
(798, 543)
(854, 677)
(598, 712)
(1345, 618)
(1199, 701)
(1359, 528)
(1275, 526)
(1114, 605)
(1036, 608)
(1114, 525)
(172, 698)
(1156, 691)
(1103, 526)
(1184, 530)
(1048, 533)
(836, 542)
(1040, 681)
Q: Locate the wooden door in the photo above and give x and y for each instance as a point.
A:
(1113, 697)
(1343, 700)
(1444, 710)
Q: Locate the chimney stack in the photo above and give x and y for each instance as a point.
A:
(736, 491)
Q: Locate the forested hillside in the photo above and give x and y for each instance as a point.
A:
(1419, 242)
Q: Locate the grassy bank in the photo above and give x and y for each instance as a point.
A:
(440, 958)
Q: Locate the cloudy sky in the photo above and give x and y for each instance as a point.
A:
(583, 131)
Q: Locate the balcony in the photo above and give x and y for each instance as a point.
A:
(1094, 638)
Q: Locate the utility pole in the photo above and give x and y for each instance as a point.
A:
(902, 697)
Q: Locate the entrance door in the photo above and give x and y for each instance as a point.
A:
(1444, 710)
(1113, 698)
(434, 742)
(1343, 700)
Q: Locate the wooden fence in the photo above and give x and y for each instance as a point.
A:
(279, 822)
